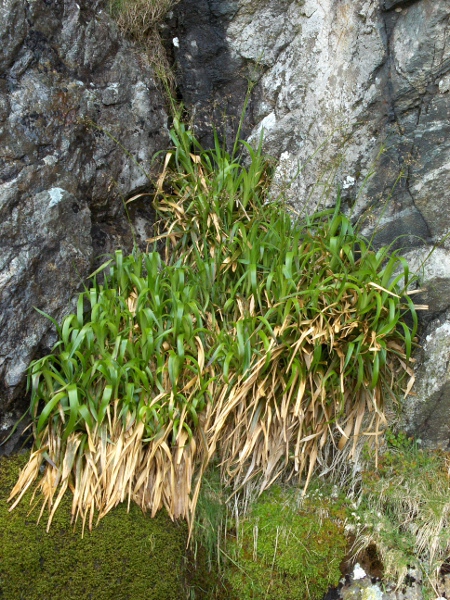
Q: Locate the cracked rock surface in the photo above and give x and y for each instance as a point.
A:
(349, 93)
(63, 65)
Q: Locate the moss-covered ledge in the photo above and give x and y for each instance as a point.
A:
(128, 556)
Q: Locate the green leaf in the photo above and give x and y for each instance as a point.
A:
(48, 410)
(72, 392)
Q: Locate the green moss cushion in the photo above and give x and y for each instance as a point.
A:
(128, 556)
(286, 553)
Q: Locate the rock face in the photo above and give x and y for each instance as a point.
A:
(355, 94)
(344, 90)
(210, 80)
(427, 417)
(64, 66)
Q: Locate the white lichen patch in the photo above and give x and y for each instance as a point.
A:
(358, 572)
(348, 182)
(56, 195)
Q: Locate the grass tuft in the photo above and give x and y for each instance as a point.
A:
(139, 20)
(253, 337)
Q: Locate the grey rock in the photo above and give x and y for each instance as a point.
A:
(426, 415)
(361, 587)
(431, 265)
(72, 92)
(363, 590)
(51, 234)
(13, 29)
(348, 89)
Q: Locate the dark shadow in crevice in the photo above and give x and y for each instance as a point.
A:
(212, 83)
(387, 5)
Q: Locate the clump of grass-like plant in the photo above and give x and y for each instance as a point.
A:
(404, 509)
(139, 20)
(258, 339)
(116, 403)
(316, 315)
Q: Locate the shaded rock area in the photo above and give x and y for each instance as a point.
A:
(361, 586)
(212, 79)
(64, 66)
(349, 94)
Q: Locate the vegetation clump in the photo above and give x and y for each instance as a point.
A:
(252, 335)
(285, 548)
(404, 510)
(140, 21)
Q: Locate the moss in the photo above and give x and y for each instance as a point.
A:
(284, 553)
(404, 510)
(129, 556)
(204, 578)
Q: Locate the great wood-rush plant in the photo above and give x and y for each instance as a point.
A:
(253, 337)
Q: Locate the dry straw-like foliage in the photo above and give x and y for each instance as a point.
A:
(140, 20)
(139, 17)
(258, 340)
